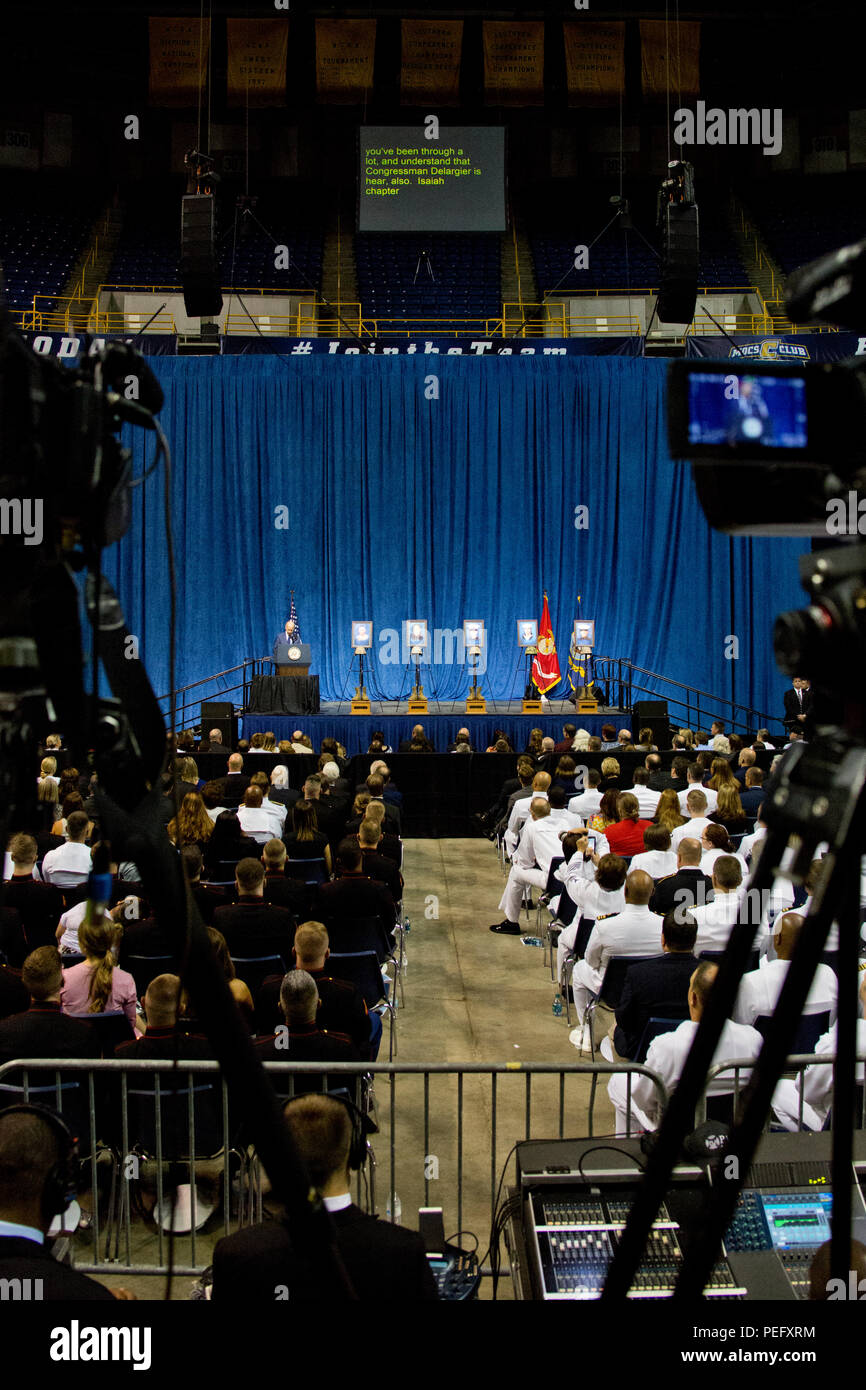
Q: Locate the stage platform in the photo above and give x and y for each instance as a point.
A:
(440, 725)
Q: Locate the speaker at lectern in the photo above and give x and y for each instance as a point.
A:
(291, 658)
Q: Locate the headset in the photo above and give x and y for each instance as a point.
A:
(361, 1124)
(60, 1181)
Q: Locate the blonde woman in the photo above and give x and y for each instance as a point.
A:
(97, 985)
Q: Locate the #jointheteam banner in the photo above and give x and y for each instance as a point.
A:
(430, 67)
(344, 59)
(257, 51)
(595, 62)
(178, 60)
(677, 71)
(514, 63)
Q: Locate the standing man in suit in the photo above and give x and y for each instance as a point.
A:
(385, 1263)
(798, 706)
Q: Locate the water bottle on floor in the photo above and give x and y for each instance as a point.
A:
(398, 1210)
(557, 1005)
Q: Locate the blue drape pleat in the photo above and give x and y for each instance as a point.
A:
(443, 488)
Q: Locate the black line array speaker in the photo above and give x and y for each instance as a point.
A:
(652, 714)
(679, 285)
(219, 714)
(199, 275)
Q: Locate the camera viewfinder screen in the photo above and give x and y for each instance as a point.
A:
(743, 411)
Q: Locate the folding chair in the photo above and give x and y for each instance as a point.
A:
(609, 994)
(363, 970)
(312, 872)
(810, 1028)
(584, 931)
(143, 969)
(254, 970)
(665, 1022)
(110, 1029)
(717, 956)
(177, 1121)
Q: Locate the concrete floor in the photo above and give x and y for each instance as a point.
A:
(470, 997)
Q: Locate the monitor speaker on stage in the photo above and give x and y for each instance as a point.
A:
(652, 714)
(219, 714)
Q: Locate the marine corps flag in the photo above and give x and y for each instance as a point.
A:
(545, 666)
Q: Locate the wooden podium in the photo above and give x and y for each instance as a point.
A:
(292, 658)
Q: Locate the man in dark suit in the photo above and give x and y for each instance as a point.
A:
(43, 1031)
(660, 780)
(236, 782)
(386, 1264)
(341, 1005)
(418, 743)
(798, 706)
(330, 815)
(278, 889)
(688, 887)
(38, 905)
(392, 821)
(302, 1038)
(207, 899)
(37, 1173)
(354, 895)
(252, 926)
(378, 866)
(754, 795)
(657, 986)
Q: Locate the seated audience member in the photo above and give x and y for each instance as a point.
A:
(330, 813)
(418, 743)
(378, 744)
(658, 859)
(227, 844)
(520, 810)
(306, 841)
(47, 796)
(461, 739)
(694, 775)
(533, 743)
(378, 866)
(813, 1090)
(98, 985)
(145, 936)
(582, 741)
(715, 841)
(207, 899)
(587, 802)
(275, 809)
(385, 1263)
(716, 919)
(746, 758)
(561, 817)
(301, 1038)
(66, 935)
(215, 739)
(688, 886)
(353, 895)
(69, 865)
(625, 836)
(257, 743)
(43, 1031)
(760, 989)
(645, 742)
(566, 743)
(390, 845)
(635, 931)
(594, 744)
(243, 746)
(236, 783)
(764, 737)
(239, 991)
(252, 926)
(655, 987)
(539, 842)
(279, 887)
(280, 790)
(748, 842)
(73, 804)
(696, 813)
(14, 998)
(611, 775)
(333, 783)
(37, 905)
(596, 883)
(32, 1153)
(390, 794)
(254, 820)
(193, 825)
(187, 779)
(753, 795)
(563, 773)
(722, 745)
(625, 742)
(667, 813)
(722, 774)
(647, 799)
(729, 811)
(213, 799)
(608, 738)
(376, 788)
(605, 816)
(667, 1055)
(341, 1005)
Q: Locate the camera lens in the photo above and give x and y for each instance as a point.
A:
(798, 639)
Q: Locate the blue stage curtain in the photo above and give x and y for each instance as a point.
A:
(443, 488)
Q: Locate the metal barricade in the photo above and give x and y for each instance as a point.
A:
(446, 1133)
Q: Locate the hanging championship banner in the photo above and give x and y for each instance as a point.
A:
(594, 62)
(178, 60)
(513, 63)
(257, 50)
(677, 70)
(344, 59)
(430, 66)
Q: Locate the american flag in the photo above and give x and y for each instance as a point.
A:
(293, 617)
